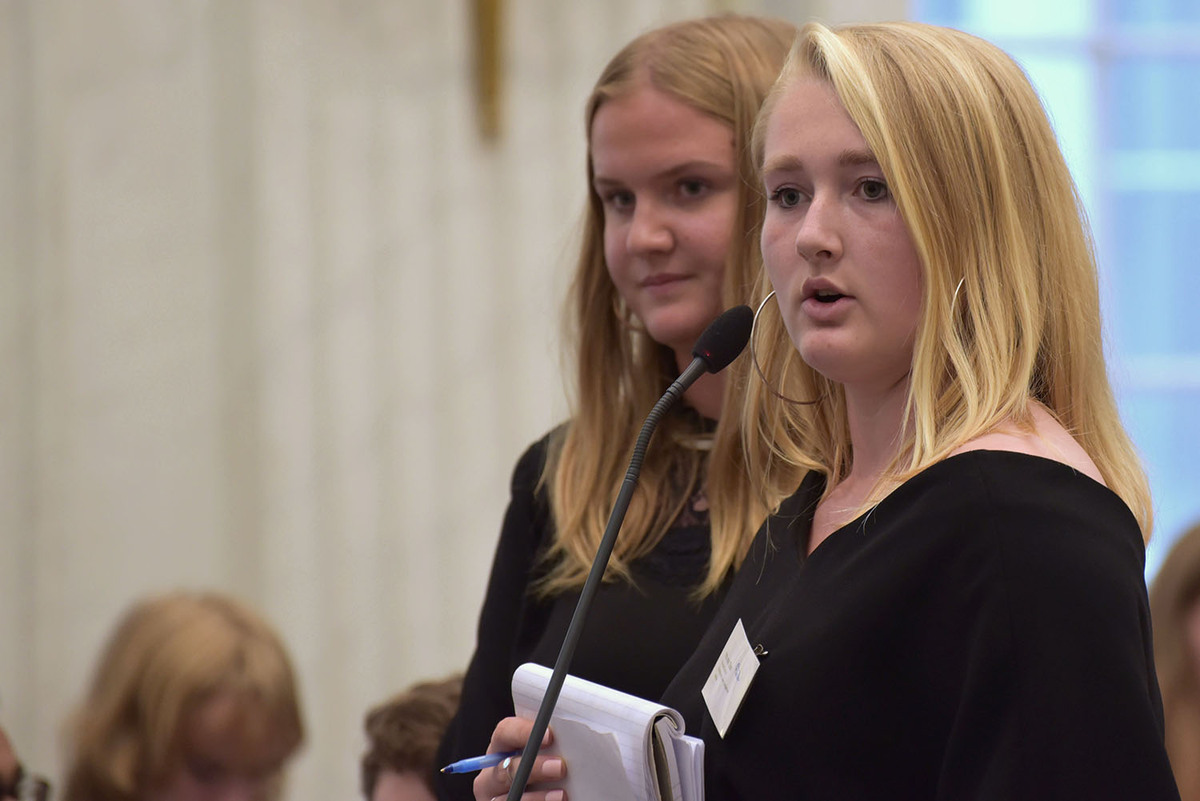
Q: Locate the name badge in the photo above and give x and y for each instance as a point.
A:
(730, 678)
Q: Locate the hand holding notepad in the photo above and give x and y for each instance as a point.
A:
(615, 745)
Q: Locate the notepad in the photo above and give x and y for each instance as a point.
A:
(616, 745)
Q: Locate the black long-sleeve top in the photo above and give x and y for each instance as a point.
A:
(983, 634)
(635, 638)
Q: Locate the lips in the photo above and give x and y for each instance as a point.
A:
(661, 279)
(821, 290)
(822, 300)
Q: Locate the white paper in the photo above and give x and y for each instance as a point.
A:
(604, 736)
(730, 678)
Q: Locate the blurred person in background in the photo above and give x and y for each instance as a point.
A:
(403, 734)
(15, 782)
(1175, 611)
(193, 699)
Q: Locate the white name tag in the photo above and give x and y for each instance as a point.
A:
(730, 678)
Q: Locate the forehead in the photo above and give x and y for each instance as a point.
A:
(236, 731)
(646, 128)
(808, 121)
(406, 786)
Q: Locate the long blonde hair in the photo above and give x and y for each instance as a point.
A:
(1174, 596)
(723, 66)
(1011, 308)
(168, 655)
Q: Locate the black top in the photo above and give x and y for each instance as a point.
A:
(982, 634)
(634, 638)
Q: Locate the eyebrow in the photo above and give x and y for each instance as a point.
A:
(847, 158)
(679, 170)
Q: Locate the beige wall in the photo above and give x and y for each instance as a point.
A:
(274, 320)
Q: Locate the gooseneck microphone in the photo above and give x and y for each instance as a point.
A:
(719, 345)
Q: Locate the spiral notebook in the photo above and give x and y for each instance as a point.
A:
(615, 745)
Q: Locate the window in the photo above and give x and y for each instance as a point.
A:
(1121, 80)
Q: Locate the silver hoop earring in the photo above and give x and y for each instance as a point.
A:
(954, 299)
(758, 368)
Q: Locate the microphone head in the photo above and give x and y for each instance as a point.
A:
(724, 338)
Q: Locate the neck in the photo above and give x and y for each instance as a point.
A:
(875, 419)
(706, 395)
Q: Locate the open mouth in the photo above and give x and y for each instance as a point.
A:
(827, 296)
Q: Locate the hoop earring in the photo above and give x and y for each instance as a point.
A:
(954, 299)
(758, 368)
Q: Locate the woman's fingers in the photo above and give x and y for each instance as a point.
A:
(495, 782)
(512, 733)
(538, 795)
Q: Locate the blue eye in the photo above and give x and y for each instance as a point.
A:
(618, 199)
(874, 189)
(786, 197)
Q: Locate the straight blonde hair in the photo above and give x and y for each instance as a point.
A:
(1011, 309)
(722, 66)
(168, 655)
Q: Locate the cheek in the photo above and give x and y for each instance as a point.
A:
(768, 245)
(905, 284)
(180, 786)
(777, 257)
(912, 293)
(715, 229)
(1191, 629)
(614, 252)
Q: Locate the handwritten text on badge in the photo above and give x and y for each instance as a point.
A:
(730, 678)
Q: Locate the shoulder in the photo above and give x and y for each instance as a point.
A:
(1009, 485)
(527, 525)
(1043, 436)
(1039, 521)
(531, 464)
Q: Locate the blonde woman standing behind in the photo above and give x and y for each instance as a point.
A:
(669, 242)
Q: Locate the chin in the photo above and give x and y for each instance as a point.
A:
(678, 332)
(677, 341)
(823, 360)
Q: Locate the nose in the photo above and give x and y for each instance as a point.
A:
(649, 229)
(819, 236)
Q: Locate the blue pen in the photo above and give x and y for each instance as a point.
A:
(479, 762)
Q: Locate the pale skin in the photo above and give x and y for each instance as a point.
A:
(401, 786)
(229, 754)
(511, 734)
(848, 280)
(667, 177)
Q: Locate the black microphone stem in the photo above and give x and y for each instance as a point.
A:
(559, 675)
